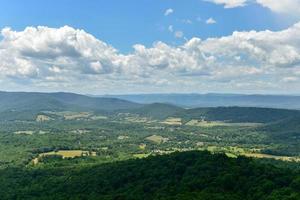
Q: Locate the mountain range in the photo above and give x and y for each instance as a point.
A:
(216, 100)
(26, 106)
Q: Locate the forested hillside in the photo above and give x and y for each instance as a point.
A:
(239, 114)
(182, 176)
(23, 101)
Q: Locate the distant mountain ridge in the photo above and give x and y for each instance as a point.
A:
(26, 106)
(21, 101)
(216, 100)
(157, 110)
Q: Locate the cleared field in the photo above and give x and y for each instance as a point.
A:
(98, 117)
(80, 131)
(173, 121)
(43, 118)
(142, 146)
(67, 153)
(283, 158)
(136, 119)
(64, 154)
(157, 139)
(122, 137)
(202, 123)
(253, 153)
(141, 155)
(24, 132)
(74, 116)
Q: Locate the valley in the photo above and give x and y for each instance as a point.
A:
(136, 131)
(101, 132)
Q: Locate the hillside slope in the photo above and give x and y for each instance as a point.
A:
(179, 176)
(20, 101)
(25, 106)
(226, 114)
(239, 114)
(157, 110)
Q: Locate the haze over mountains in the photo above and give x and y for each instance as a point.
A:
(216, 100)
(59, 101)
(70, 101)
(212, 107)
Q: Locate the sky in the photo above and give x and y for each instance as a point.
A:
(150, 46)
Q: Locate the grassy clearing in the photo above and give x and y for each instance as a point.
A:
(141, 155)
(157, 139)
(142, 146)
(75, 116)
(67, 153)
(173, 121)
(98, 117)
(261, 155)
(122, 137)
(64, 154)
(80, 131)
(202, 123)
(24, 132)
(136, 119)
(234, 152)
(43, 118)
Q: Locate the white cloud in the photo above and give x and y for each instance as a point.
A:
(171, 29)
(169, 11)
(290, 79)
(283, 6)
(229, 3)
(68, 58)
(36, 50)
(210, 21)
(178, 34)
(291, 7)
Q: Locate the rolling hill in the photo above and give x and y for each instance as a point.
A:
(239, 114)
(22, 101)
(24, 106)
(27, 105)
(226, 114)
(157, 110)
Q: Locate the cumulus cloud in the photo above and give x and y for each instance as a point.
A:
(210, 21)
(34, 51)
(229, 3)
(169, 11)
(71, 58)
(291, 7)
(286, 6)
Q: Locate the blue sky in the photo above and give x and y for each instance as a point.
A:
(125, 23)
(147, 46)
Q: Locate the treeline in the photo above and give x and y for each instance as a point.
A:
(239, 114)
(182, 176)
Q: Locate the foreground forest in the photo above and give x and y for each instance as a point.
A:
(182, 176)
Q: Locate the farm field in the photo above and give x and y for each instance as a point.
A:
(43, 142)
(67, 153)
(85, 137)
(157, 139)
(172, 121)
(203, 123)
